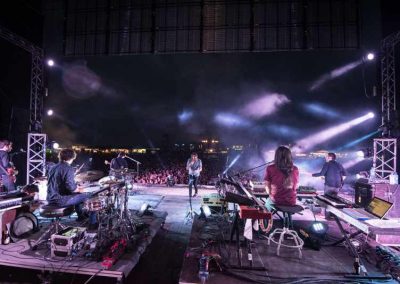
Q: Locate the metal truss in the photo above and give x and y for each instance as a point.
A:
(385, 158)
(37, 86)
(36, 160)
(388, 80)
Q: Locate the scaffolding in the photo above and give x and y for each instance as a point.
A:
(385, 148)
(36, 166)
(36, 147)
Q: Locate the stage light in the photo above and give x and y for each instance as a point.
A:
(56, 146)
(265, 105)
(232, 163)
(358, 140)
(360, 154)
(50, 112)
(319, 228)
(322, 136)
(334, 74)
(185, 116)
(230, 120)
(370, 56)
(50, 62)
(321, 110)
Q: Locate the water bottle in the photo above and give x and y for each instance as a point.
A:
(393, 178)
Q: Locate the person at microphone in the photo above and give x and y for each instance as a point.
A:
(281, 179)
(119, 162)
(62, 189)
(194, 166)
(6, 167)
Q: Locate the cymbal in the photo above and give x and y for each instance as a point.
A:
(89, 176)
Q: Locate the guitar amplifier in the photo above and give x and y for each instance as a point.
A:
(363, 193)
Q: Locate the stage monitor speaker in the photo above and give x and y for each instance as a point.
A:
(363, 193)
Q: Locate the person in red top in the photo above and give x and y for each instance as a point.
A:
(281, 179)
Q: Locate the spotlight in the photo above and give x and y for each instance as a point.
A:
(370, 56)
(56, 146)
(50, 62)
(370, 115)
(319, 228)
(50, 112)
(360, 154)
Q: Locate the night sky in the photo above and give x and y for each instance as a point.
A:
(135, 100)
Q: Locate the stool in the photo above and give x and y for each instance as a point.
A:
(287, 229)
(56, 213)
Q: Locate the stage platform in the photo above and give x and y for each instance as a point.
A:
(331, 264)
(19, 255)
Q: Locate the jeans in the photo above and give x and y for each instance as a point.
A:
(77, 201)
(332, 191)
(193, 182)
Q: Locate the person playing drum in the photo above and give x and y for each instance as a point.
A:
(62, 189)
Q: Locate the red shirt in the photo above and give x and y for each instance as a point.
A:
(280, 193)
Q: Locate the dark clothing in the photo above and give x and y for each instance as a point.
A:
(7, 180)
(118, 163)
(283, 189)
(193, 182)
(333, 173)
(61, 186)
(61, 182)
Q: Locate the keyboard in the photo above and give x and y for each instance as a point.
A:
(337, 202)
(10, 202)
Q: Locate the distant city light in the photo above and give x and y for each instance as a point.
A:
(56, 146)
(50, 62)
(370, 56)
(50, 112)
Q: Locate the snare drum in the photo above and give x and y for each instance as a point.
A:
(95, 204)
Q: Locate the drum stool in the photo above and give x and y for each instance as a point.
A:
(287, 229)
(56, 213)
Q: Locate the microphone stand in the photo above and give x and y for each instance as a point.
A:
(137, 164)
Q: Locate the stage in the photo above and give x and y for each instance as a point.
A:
(169, 255)
(18, 257)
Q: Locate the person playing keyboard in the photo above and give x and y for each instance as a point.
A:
(281, 179)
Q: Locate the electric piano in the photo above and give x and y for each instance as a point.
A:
(11, 201)
(337, 202)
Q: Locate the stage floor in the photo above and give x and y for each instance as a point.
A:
(164, 261)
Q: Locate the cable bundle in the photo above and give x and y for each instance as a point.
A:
(388, 261)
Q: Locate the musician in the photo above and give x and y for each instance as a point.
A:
(194, 166)
(281, 179)
(334, 174)
(119, 162)
(6, 166)
(62, 190)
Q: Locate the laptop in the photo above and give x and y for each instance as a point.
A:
(376, 209)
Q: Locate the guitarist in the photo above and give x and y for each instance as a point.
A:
(6, 167)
